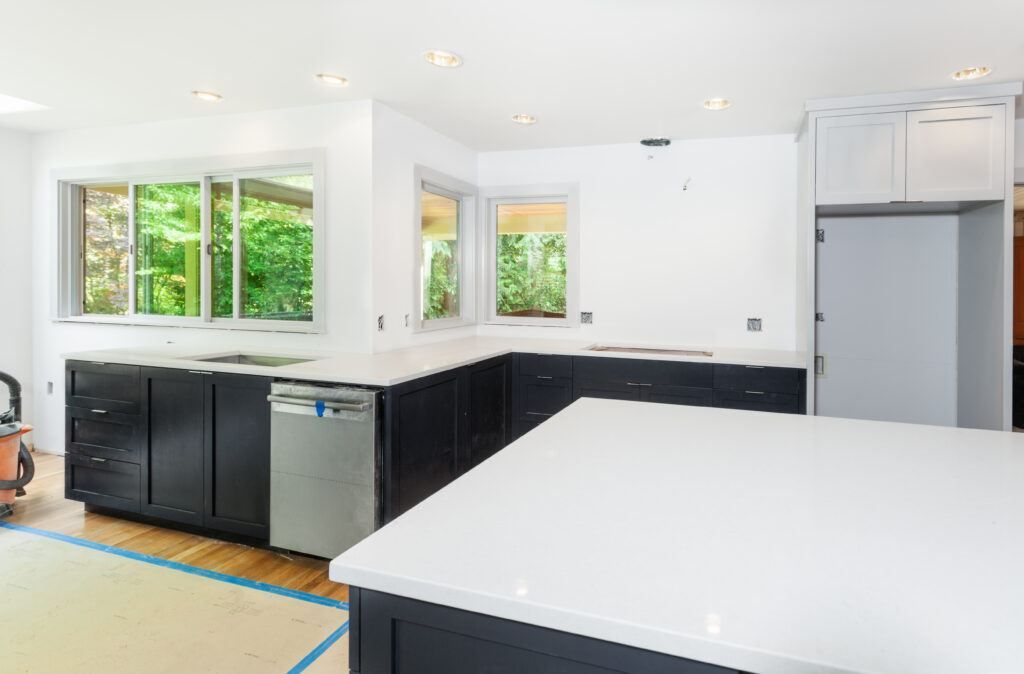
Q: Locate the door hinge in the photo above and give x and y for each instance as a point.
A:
(819, 235)
(819, 317)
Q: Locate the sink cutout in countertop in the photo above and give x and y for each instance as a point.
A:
(251, 359)
(640, 349)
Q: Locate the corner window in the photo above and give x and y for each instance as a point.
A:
(444, 235)
(533, 243)
(228, 249)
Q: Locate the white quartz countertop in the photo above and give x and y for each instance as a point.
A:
(768, 543)
(394, 367)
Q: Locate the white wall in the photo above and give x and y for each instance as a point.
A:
(15, 266)
(344, 129)
(664, 265)
(399, 143)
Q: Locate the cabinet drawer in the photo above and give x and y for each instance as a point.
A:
(640, 371)
(678, 395)
(540, 396)
(109, 435)
(609, 390)
(102, 482)
(755, 378)
(102, 386)
(763, 402)
(545, 365)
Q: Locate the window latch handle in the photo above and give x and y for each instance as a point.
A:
(209, 249)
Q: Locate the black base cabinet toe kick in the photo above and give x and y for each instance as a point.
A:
(192, 449)
(395, 635)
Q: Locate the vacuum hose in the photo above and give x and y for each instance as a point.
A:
(26, 466)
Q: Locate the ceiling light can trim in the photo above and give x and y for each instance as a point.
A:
(971, 73)
(207, 96)
(523, 118)
(332, 80)
(656, 142)
(442, 58)
(716, 103)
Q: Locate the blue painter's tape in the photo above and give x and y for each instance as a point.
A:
(320, 407)
(178, 566)
(319, 650)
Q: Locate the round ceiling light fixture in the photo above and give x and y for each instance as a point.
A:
(443, 59)
(332, 80)
(972, 73)
(521, 118)
(717, 103)
(207, 96)
(655, 142)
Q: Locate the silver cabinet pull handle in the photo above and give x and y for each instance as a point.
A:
(634, 383)
(540, 376)
(538, 414)
(755, 393)
(754, 367)
(199, 372)
(305, 402)
(99, 411)
(96, 458)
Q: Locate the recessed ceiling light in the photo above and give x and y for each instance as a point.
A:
(717, 103)
(655, 142)
(207, 96)
(971, 73)
(443, 59)
(523, 119)
(332, 80)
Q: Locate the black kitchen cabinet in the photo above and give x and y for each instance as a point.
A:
(757, 401)
(196, 452)
(236, 454)
(543, 387)
(765, 389)
(442, 425)
(172, 460)
(672, 382)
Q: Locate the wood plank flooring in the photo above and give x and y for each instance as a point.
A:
(44, 507)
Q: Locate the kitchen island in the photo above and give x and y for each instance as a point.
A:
(646, 537)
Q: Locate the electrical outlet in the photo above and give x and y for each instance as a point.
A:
(49, 388)
(753, 325)
(586, 317)
(380, 323)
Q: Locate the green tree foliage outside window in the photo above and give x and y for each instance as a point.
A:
(531, 276)
(167, 222)
(105, 243)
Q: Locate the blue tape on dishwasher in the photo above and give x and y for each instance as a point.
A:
(320, 407)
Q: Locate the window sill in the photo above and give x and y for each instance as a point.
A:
(225, 324)
(437, 324)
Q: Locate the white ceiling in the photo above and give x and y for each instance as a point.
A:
(591, 71)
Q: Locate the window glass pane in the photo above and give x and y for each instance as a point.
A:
(105, 249)
(221, 261)
(276, 226)
(439, 236)
(167, 225)
(530, 271)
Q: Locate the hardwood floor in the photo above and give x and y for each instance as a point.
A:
(44, 507)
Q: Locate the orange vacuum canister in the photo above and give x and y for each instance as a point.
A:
(10, 443)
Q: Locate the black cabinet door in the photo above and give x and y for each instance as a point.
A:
(489, 412)
(677, 395)
(426, 429)
(172, 456)
(237, 454)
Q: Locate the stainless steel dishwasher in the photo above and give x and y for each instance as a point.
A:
(325, 466)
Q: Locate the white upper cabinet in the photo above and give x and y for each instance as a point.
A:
(861, 159)
(940, 154)
(956, 154)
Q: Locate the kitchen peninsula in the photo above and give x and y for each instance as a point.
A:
(670, 538)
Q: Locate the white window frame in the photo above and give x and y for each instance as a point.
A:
(466, 194)
(490, 198)
(68, 296)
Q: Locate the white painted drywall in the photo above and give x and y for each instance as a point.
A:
(887, 286)
(664, 265)
(16, 266)
(343, 129)
(399, 143)
(983, 330)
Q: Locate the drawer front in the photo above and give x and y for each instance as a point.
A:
(540, 396)
(763, 402)
(545, 365)
(102, 482)
(679, 395)
(756, 378)
(110, 435)
(610, 390)
(103, 386)
(642, 371)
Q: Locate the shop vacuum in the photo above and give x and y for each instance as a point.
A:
(16, 465)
